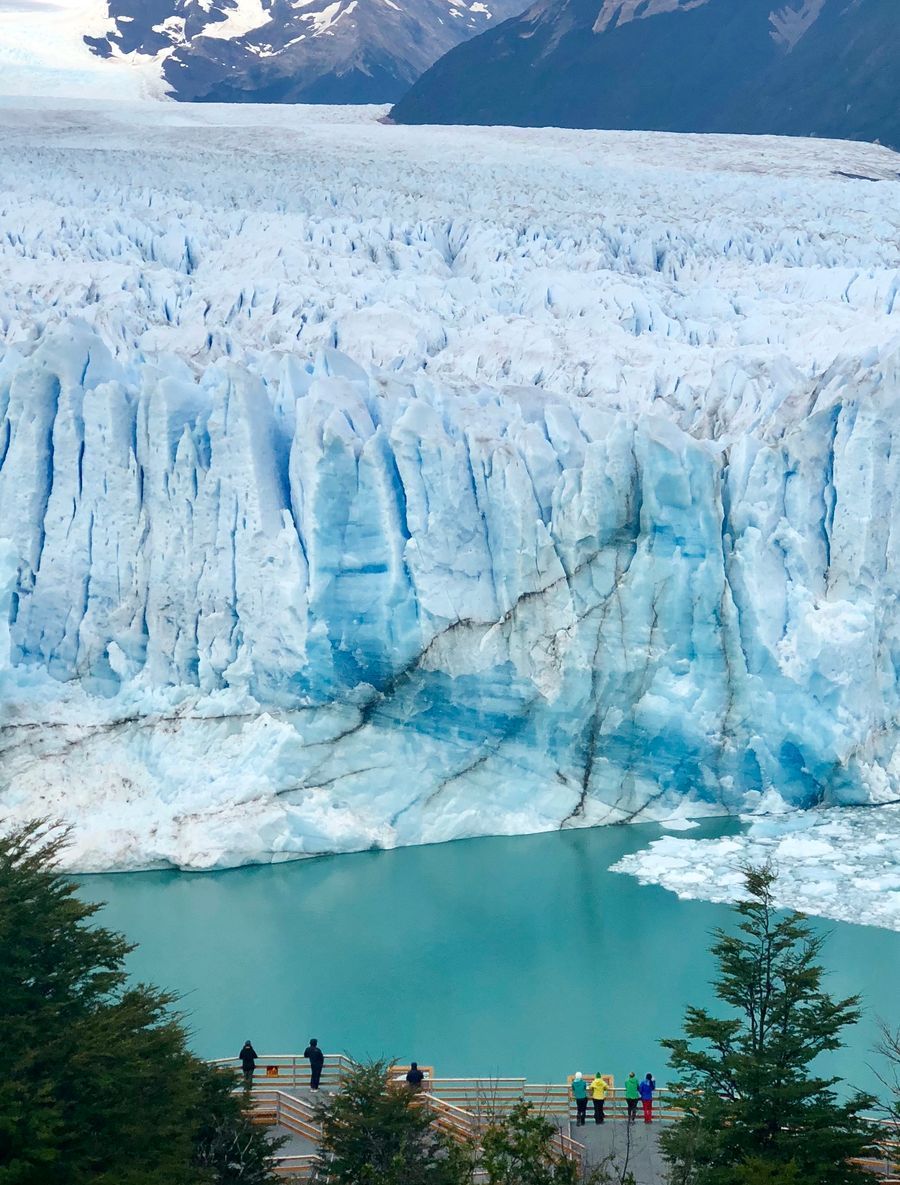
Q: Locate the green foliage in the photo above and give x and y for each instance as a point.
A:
(522, 1148)
(763, 1172)
(889, 1048)
(227, 1148)
(97, 1083)
(753, 1110)
(378, 1133)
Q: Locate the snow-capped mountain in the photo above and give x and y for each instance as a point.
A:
(292, 51)
(806, 67)
(367, 485)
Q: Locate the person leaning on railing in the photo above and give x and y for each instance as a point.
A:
(316, 1062)
(645, 1090)
(632, 1094)
(599, 1089)
(247, 1057)
(579, 1093)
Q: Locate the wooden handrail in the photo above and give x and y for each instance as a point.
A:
(294, 1114)
(298, 1168)
(488, 1097)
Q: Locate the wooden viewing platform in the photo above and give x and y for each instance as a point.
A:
(463, 1107)
(481, 1096)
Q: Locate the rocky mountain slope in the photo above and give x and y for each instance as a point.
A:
(293, 51)
(811, 67)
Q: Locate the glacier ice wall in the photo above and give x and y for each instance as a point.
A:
(273, 600)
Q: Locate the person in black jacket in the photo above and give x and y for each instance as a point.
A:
(248, 1056)
(316, 1061)
(415, 1077)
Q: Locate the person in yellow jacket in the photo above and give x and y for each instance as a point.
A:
(599, 1090)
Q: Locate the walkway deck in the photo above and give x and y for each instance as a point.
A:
(462, 1106)
(621, 1145)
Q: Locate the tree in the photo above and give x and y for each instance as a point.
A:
(378, 1133)
(753, 1110)
(519, 1149)
(889, 1048)
(97, 1084)
(227, 1148)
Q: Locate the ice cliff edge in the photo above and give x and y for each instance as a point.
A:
(258, 616)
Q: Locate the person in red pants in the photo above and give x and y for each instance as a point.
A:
(645, 1090)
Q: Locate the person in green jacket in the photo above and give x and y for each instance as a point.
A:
(632, 1094)
(579, 1094)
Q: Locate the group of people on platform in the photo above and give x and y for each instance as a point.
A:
(598, 1089)
(248, 1057)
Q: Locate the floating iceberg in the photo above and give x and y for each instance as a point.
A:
(374, 486)
(840, 863)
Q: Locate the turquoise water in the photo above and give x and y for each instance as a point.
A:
(516, 956)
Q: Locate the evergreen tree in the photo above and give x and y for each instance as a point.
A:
(753, 1110)
(227, 1148)
(97, 1083)
(378, 1133)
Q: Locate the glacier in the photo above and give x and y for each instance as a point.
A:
(365, 486)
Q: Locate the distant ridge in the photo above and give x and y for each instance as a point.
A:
(292, 51)
(806, 68)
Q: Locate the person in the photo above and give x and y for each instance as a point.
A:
(599, 1091)
(248, 1056)
(316, 1062)
(646, 1090)
(415, 1077)
(632, 1094)
(579, 1093)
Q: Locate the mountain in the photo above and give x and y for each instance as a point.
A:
(292, 51)
(810, 68)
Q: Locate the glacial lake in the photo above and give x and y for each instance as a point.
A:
(514, 956)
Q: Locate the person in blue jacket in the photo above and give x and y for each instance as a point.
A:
(645, 1089)
(579, 1093)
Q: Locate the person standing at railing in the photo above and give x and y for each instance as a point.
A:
(579, 1093)
(415, 1077)
(599, 1090)
(632, 1094)
(646, 1090)
(248, 1056)
(316, 1062)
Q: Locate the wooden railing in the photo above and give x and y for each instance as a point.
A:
(296, 1168)
(481, 1096)
(463, 1107)
(287, 1111)
(467, 1127)
(285, 1070)
(885, 1164)
(458, 1124)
